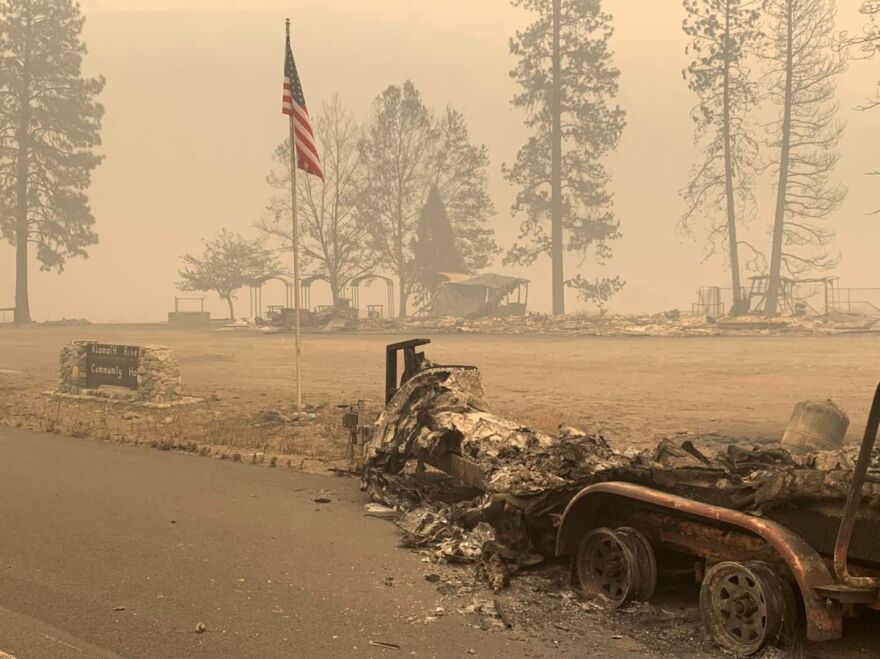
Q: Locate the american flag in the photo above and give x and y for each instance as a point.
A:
(294, 104)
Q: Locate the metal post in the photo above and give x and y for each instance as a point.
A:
(851, 511)
(296, 291)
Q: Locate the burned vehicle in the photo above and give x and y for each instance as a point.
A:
(773, 534)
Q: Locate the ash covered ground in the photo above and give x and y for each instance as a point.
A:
(633, 391)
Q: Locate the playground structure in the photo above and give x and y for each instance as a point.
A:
(373, 311)
(349, 296)
(256, 296)
(819, 296)
(796, 297)
(865, 301)
(711, 301)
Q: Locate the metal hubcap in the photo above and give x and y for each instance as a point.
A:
(744, 606)
(616, 566)
(605, 568)
(741, 604)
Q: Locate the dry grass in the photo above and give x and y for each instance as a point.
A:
(315, 446)
(632, 390)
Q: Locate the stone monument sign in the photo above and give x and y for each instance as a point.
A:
(150, 373)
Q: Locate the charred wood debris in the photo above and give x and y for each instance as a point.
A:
(467, 486)
(667, 323)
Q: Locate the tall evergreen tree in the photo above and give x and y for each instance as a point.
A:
(435, 249)
(721, 35)
(460, 174)
(50, 124)
(805, 59)
(407, 152)
(568, 83)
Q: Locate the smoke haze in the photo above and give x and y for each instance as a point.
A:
(193, 115)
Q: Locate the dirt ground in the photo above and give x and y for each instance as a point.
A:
(634, 390)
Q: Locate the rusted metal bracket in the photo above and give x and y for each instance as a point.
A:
(851, 511)
(355, 420)
(410, 364)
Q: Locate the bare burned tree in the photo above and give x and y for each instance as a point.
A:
(332, 238)
(408, 153)
(866, 46)
(568, 82)
(722, 34)
(804, 61)
(50, 126)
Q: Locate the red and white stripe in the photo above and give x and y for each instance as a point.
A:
(304, 136)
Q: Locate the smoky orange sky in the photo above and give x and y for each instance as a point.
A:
(193, 115)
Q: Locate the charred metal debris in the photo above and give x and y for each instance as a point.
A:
(466, 485)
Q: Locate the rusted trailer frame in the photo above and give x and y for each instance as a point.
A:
(614, 527)
(848, 522)
(716, 534)
(804, 562)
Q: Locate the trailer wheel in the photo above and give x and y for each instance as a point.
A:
(746, 606)
(645, 562)
(616, 566)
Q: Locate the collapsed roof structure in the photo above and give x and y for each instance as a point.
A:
(487, 294)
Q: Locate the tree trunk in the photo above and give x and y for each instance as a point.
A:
(228, 299)
(728, 173)
(556, 251)
(401, 261)
(402, 297)
(773, 285)
(22, 313)
(334, 292)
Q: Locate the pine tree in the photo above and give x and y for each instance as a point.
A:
(435, 250)
(805, 58)
(568, 84)
(722, 34)
(50, 124)
(461, 178)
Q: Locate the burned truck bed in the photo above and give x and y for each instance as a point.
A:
(469, 485)
(439, 417)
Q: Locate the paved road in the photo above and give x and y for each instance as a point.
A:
(109, 550)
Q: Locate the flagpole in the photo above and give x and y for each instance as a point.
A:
(296, 291)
